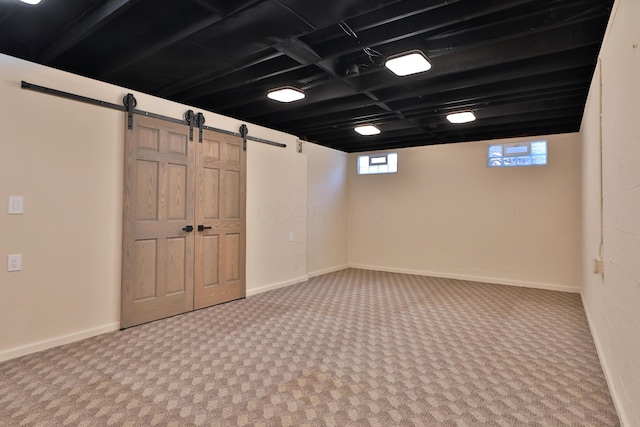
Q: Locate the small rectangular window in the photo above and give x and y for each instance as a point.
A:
(377, 160)
(518, 154)
(377, 163)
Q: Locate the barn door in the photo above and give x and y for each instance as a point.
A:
(220, 219)
(158, 239)
(184, 221)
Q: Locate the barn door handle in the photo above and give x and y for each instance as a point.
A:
(188, 228)
(202, 228)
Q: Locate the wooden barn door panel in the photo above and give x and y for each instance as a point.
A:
(220, 211)
(159, 202)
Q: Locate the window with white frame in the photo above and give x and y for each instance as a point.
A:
(370, 164)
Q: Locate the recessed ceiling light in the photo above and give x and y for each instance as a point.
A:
(407, 63)
(461, 117)
(285, 94)
(367, 130)
(31, 1)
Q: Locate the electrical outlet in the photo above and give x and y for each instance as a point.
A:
(291, 236)
(15, 262)
(16, 205)
(598, 266)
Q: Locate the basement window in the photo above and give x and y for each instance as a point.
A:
(519, 154)
(371, 164)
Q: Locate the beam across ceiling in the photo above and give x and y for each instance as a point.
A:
(172, 32)
(83, 27)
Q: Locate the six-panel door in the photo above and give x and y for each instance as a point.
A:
(220, 215)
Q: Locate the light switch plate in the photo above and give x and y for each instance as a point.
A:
(16, 205)
(14, 262)
(291, 236)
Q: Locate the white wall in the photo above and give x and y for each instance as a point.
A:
(276, 207)
(327, 209)
(612, 302)
(445, 213)
(66, 159)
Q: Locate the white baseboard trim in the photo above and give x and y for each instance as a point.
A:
(327, 270)
(256, 291)
(35, 347)
(493, 280)
(615, 395)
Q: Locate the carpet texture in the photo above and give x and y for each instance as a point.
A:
(352, 348)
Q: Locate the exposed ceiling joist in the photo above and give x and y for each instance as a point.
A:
(217, 7)
(84, 26)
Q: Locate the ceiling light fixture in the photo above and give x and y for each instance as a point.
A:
(285, 94)
(407, 63)
(367, 130)
(32, 2)
(461, 117)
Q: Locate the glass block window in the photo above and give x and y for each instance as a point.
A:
(518, 154)
(377, 163)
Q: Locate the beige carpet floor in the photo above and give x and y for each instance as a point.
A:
(352, 348)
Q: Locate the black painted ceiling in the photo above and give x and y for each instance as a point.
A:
(524, 67)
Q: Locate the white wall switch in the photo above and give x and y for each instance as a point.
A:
(15, 262)
(291, 236)
(16, 205)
